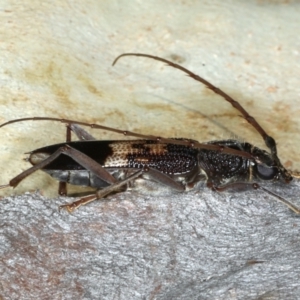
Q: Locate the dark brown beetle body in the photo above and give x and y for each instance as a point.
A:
(184, 164)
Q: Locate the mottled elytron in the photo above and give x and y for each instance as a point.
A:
(109, 166)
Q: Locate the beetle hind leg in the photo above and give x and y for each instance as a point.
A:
(80, 132)
(70, 207)
(82, 136)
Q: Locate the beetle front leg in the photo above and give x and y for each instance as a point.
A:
(255, 186)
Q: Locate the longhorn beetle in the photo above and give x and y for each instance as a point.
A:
(176, 163)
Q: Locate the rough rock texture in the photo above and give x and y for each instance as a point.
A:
(196, 245)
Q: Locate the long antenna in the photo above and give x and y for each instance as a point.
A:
(269, 141)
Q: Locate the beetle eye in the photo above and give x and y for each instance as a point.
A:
(266, 173)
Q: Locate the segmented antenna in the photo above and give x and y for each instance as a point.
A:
(269, 141)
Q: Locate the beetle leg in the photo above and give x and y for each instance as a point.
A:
(164, 179)
(82, 159)
(62, 188)
(83, 136)
(255, 186)
(80, 132)
(101, 193)
(233, 185)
